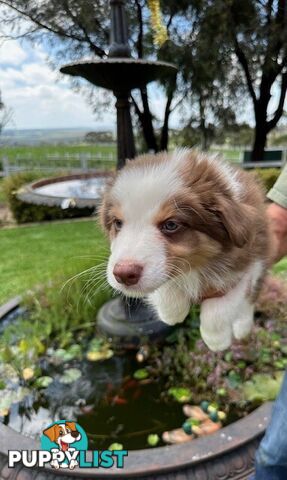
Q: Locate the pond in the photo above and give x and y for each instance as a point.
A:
(105, 400)
(50, 370)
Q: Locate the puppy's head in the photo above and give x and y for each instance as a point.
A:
(166, 214)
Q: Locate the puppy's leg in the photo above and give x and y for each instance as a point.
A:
(231, 313)
(171, 303)
(243, 323)
(215, 323)
(251, 284)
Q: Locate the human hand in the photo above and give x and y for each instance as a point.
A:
(277, 217)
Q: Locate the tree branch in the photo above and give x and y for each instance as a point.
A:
(56, 31)
(244, 63)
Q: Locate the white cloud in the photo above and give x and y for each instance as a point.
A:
(41, 97)
(12, 53)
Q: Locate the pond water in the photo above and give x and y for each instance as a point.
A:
(106, 401)
(80, 188)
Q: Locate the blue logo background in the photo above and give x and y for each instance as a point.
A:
(82, 444)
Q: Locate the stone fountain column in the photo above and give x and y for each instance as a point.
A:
(130, 320)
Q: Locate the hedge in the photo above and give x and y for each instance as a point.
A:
(26, 212)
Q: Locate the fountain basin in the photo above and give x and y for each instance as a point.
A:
(229, 453)
(68, 191)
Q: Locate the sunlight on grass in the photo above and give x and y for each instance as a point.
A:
(31, 256)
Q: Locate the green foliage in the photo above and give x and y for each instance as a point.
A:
(25, 212)
(268, 176)
(190, 368)
(263, 387)
(54, 320)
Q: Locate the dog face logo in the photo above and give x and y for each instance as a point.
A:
(64, 439)
(63, 434)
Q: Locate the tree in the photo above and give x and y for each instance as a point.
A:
(74, 29)
(225, 49)
(254, 32)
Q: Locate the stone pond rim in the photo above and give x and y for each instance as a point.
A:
(228, 453)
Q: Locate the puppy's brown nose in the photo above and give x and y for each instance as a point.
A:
(127, 273)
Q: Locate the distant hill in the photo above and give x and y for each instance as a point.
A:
(13, 137)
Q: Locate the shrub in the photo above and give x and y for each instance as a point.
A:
(268, 176)
(26, 212)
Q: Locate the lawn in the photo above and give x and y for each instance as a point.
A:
(37, 152)
(2, 196)
(65, 154)
(32, 255)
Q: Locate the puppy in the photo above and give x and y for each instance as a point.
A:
(187, 228)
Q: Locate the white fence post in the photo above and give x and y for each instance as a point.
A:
(5, 166)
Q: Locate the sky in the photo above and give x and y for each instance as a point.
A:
(41, 97)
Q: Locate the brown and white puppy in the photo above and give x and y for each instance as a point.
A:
(185, 228)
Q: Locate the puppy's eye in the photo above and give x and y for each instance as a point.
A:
(170, 226)
(117, 224)
(61, 432)
(68, 430)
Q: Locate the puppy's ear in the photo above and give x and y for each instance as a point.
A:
(237, 220)
(52, 432)
(104, 208)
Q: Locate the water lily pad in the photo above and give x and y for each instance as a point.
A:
(62, 355)
(153, 439)
(262, 387)
(141, 374)
(70, 375)
(180, 394)
(8, 397)
(94, 356)
(43, 382)
(8, 373)
(116, 446)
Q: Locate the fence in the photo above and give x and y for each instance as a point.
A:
(82, 162)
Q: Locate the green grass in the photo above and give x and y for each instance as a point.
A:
(37, 152)
(281, 267)
(35, 155)
(31, 256)
(233, 155)
(2, 196)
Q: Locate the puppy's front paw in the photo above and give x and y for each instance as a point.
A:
(244, 321)
(170, 303)
(215, 325)
(172, 319)
(216, 342)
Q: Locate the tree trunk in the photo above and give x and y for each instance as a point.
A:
(260, 140)
(147, 125)
(165, 128)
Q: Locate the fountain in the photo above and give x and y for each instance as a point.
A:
(121, 73)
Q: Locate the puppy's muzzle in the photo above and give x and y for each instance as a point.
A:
(75, 434)
(127, 273)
